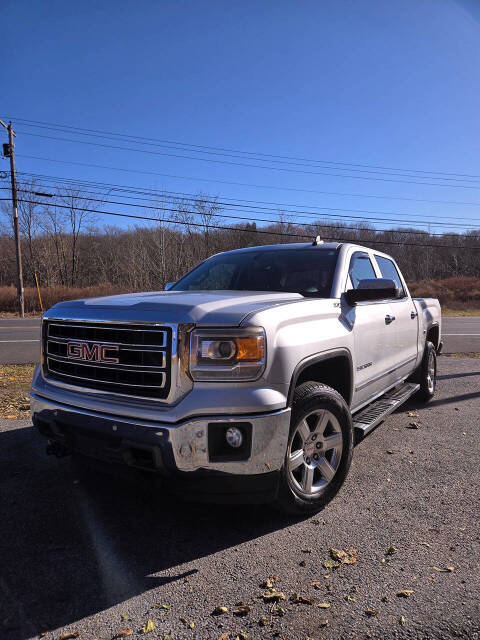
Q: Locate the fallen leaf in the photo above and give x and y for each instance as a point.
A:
(192, 625)
(280, 611)
(446, 570)
(330, 564)
(412, 414)
(242, 611)
(344, 556)
(323, 605)
(11, 417)
(323, 623)
(403, 621)
(219, 610)
(296, 598)
(224, 636)
(148, 626)
(263, 621)
(414, 425)
(241, 636)
(371, 612)
(273, 596)
(269, 582)
(391, 550)
(123, 633)
(404, 593)
(306, 550)
(389, 451)
(125, 617)
(425, 544)
(350, 598)
(316, 584)
(69, 635)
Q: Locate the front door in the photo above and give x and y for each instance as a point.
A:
(374, 336)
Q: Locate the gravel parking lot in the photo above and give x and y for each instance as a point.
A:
(94, 556)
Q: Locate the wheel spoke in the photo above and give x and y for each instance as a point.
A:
(296, 459)
(303, 430)
(333, 442)
(321, 423)
(307, 479)
(326, 469)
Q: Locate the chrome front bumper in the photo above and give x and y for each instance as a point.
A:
(181, 447)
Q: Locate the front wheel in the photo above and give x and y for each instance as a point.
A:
(319, 450)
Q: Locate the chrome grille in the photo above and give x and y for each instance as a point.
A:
(141, 365)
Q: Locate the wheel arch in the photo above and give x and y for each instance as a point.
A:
(333, 367)
(433, 335)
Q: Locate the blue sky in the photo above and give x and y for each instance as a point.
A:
(392, 84)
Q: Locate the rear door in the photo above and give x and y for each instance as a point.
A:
(406, 320)
(374, 336)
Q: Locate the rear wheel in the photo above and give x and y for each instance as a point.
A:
(319, 450)
(427, 373)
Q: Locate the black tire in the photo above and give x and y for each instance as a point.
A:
(424, 377)
(311, 397)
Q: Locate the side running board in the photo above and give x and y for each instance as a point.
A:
(371, 416)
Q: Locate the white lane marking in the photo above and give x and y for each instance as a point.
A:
(14, 341)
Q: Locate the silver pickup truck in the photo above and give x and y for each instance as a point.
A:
(249, 379)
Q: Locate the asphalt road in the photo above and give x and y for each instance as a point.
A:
(77, 553)
(20, 343)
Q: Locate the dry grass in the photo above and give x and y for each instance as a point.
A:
(51, 295)
(15, 381)
(458, 296)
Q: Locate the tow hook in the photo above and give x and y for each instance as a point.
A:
(58, 449)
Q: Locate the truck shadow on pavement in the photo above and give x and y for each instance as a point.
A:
(71, 548)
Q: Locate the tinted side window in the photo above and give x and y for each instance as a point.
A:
(360, 268)
(389, 270)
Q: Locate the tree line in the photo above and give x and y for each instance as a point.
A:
(68, 246)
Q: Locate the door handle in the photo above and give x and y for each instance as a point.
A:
(413, 315)
(389, 319)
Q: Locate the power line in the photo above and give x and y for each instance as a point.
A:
(254, 166)
(230, 228)
(160, 142)
(256, 186)
(181, 195)
(316, 225)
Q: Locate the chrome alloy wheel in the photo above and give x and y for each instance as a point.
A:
(314, 452)
(431, 372)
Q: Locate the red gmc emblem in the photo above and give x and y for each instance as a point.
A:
(94, 352)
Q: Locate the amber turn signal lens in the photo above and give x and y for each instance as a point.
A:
(251, 348)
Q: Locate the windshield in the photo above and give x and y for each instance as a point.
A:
(305, 271)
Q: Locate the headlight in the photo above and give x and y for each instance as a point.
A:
(227, 354)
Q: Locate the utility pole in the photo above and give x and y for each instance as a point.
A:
(9, 152)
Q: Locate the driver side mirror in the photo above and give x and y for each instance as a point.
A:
(168, 286)
(372, 289)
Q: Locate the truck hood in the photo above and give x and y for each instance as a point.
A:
(212, 308)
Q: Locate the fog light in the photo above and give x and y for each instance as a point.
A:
(234, 437)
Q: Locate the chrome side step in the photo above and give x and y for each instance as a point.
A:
(369, 417)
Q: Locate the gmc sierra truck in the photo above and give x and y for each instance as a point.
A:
(248, 379)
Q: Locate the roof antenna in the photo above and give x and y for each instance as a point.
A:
(317, 241)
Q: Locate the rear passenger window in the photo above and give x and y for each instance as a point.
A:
(360, 268)
(389, 270)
